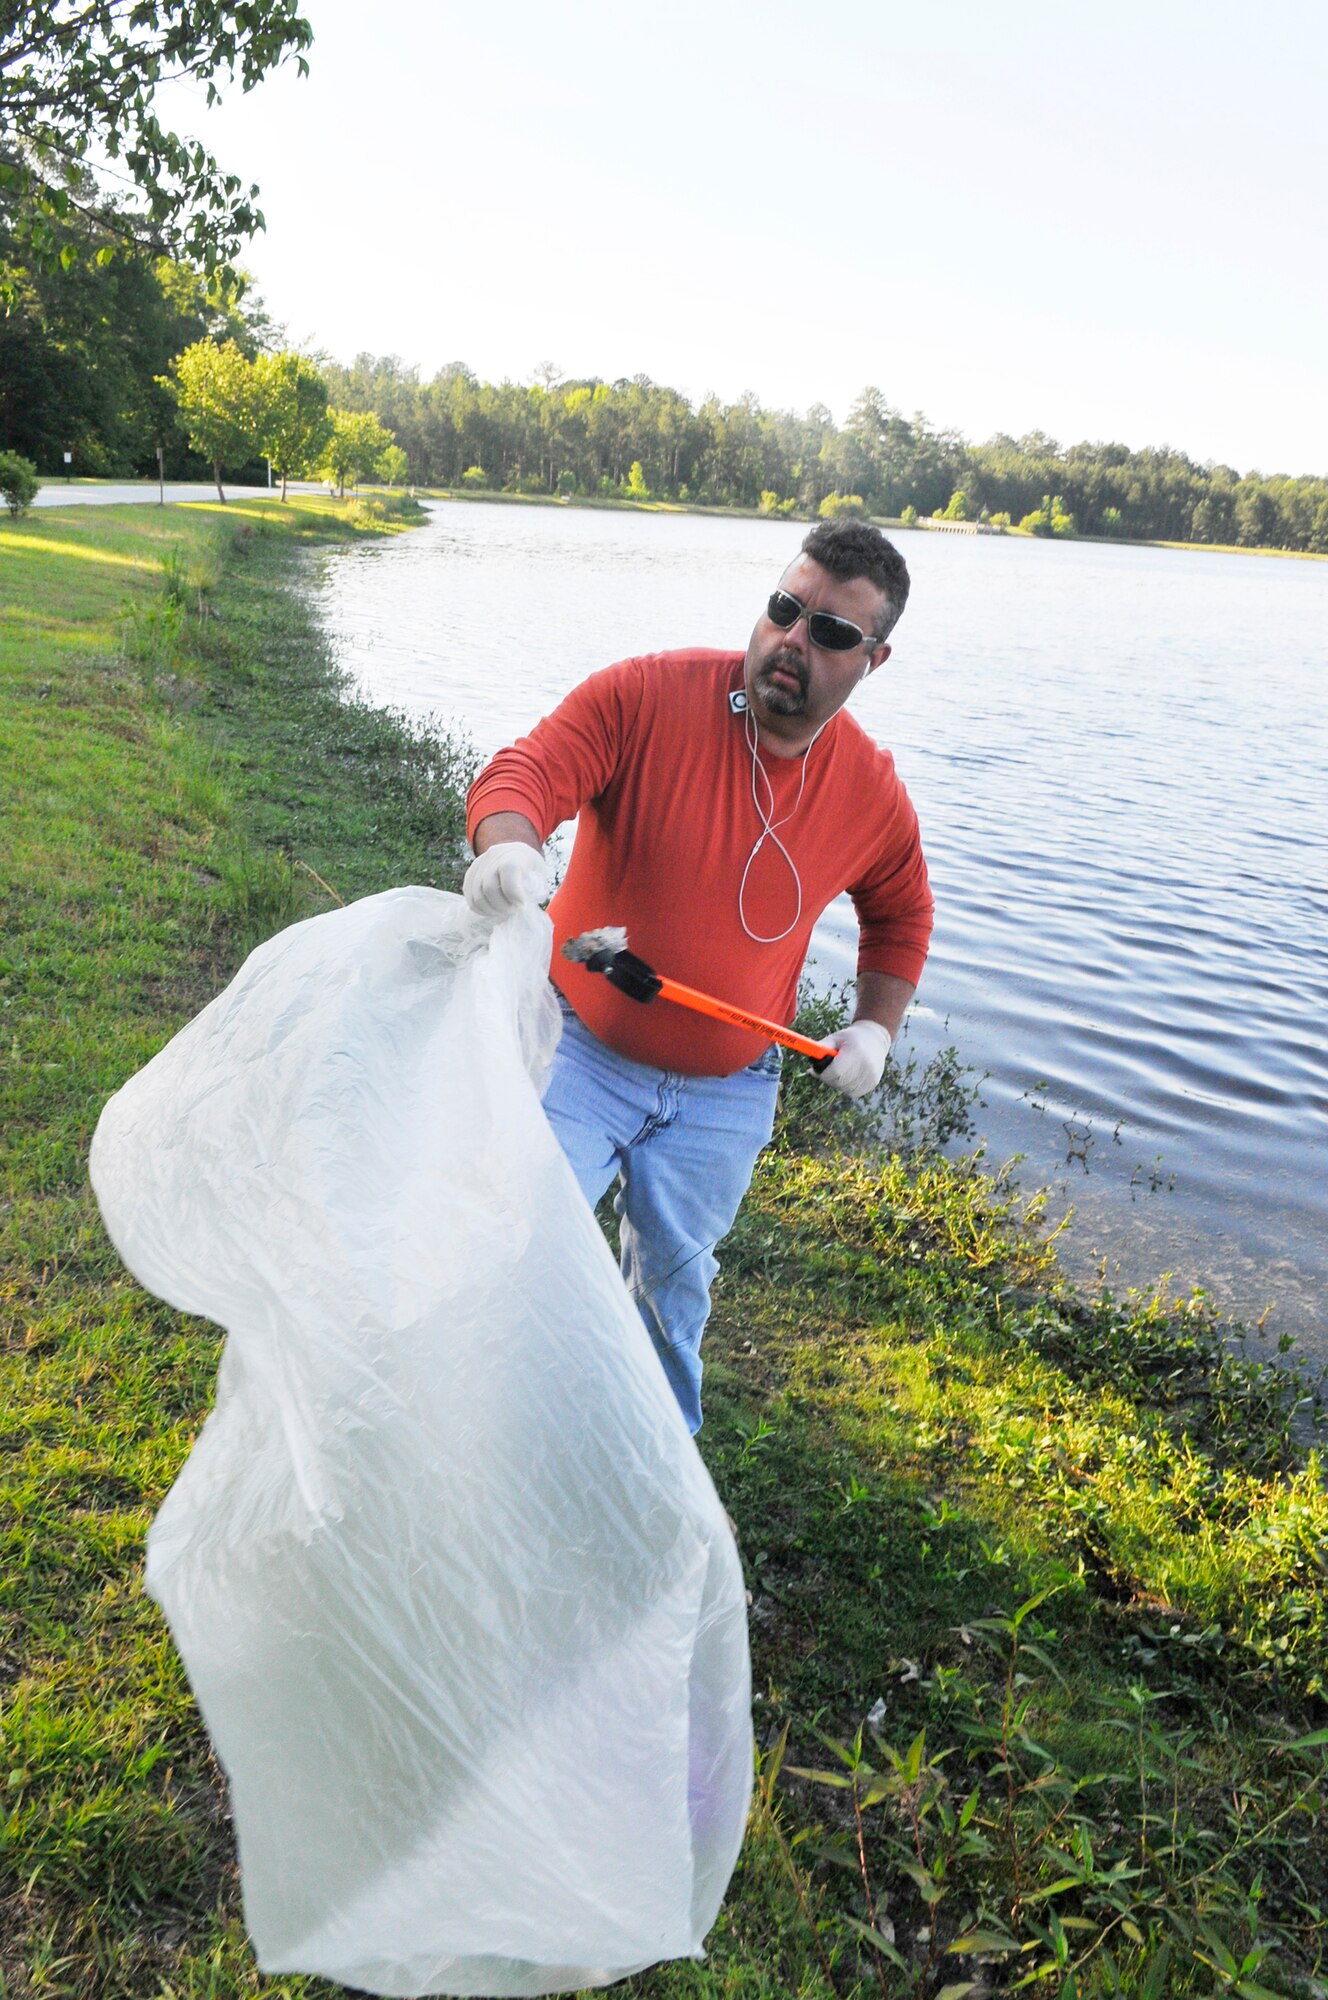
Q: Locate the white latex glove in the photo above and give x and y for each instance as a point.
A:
(505, 878)
(860, 1063)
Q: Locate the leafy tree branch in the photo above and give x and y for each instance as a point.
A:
(77, 88)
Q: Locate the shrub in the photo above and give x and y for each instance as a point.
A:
(836, 505)
(474, 475)
(1049, 519)
(18, 482)
(958, 507)
(909, 517)
(1000, 521)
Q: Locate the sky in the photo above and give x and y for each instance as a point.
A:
(1100, 223)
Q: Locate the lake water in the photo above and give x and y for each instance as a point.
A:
(1120, 760)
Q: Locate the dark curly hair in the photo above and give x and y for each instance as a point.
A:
(854, 548)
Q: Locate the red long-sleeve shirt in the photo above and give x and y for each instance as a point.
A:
(659, 766)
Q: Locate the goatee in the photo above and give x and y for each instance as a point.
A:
(781, 700)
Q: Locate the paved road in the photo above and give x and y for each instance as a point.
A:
(57, 494)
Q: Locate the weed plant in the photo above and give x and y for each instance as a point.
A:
(916, 1109)
(1037, 1578)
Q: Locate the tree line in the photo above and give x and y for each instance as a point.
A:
(102, 291)
(87, 340)
(87, 349)
(278, 406)
(111, 359)
(637, 438)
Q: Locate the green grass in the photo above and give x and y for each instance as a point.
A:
(1242, 549)
(177, 755)
(1038, 1619)
(920, 1429)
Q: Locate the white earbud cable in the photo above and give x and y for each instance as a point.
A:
(769, 831)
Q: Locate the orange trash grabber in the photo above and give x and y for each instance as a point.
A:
(606, 951)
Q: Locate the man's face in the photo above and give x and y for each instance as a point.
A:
(794, 686)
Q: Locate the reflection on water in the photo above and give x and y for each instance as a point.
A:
(1119, 759)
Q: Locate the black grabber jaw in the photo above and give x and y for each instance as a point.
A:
(623, 969)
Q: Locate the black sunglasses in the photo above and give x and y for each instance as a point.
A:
(834, 635)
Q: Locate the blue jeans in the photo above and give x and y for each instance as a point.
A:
(683, 1149)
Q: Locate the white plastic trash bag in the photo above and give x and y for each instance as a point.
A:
(451, 1583)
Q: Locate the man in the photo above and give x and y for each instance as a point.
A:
(725, 801)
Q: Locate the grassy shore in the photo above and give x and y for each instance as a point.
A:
(1038, 1622)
